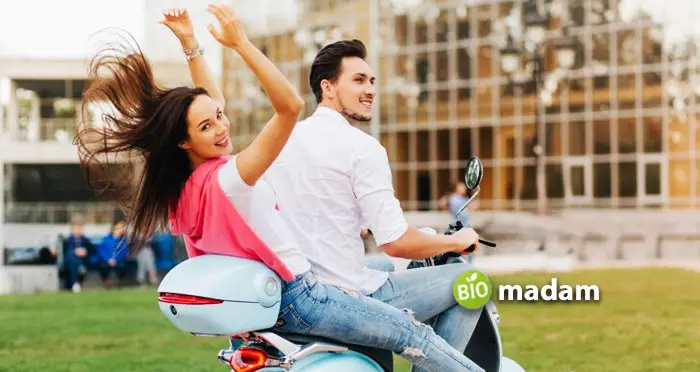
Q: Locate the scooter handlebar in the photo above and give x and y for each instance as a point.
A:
(487, 242)
(482, 241)
(458, 226)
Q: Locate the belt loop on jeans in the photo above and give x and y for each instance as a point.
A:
(309, 278)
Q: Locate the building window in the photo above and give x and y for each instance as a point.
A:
(423, 71)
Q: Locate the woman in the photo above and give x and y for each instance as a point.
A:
(181, 137)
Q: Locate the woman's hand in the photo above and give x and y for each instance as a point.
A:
(232, 33)
(179, 22)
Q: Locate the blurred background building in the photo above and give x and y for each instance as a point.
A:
(43, 180)
(614, 111)
(44, 186)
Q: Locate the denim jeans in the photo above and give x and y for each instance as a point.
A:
(427, 292)
(74, 266)
(383, 320)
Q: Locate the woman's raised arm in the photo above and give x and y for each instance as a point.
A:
(179, 22)
(255, 159)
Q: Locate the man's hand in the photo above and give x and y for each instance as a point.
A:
(364, 233)
(80, 252)
(112, 262)
(469, 237)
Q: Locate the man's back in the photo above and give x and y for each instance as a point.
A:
(321, 179)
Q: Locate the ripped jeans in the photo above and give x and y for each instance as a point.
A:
(391, 318)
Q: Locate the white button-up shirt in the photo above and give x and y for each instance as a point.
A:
(330, 179)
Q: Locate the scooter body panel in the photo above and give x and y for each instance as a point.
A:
(225, 319)
(224, 277)
(349, 361)
(248, 291)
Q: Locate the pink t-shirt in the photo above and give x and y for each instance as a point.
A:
(211, 224)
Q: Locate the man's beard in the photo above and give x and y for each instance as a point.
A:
(355, 116)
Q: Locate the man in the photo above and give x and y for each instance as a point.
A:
(76, 250)
(456, 202)
(332, 178)
(112, 253)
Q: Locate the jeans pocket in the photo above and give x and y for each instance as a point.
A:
(319, 293)
(290, 320)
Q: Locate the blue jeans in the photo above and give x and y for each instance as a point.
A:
(74, 266)
(313, 308)
(427, 292)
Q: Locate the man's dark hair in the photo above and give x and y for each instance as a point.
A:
(329, 60)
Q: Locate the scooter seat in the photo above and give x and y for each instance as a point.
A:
(385, 358)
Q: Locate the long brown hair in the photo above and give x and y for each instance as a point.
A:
(143, 125)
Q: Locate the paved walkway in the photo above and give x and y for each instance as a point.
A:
(539, 262)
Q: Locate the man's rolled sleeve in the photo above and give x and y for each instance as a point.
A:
(374, 190)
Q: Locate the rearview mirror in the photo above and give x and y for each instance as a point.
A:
(474, 173)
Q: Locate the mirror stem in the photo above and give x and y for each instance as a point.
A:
(471, 198)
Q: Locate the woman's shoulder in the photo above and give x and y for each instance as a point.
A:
(205, 173)
(198, 185)
(230, 180)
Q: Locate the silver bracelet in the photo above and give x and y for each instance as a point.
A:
(191, 54)
(196, 53)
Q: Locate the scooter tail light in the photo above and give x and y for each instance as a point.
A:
(248, 360)
(181, 299)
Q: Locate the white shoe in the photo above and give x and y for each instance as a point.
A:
(76, 288)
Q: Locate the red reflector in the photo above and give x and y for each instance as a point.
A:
(180, 299)
(248, 360)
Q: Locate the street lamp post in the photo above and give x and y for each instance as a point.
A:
(511, 56)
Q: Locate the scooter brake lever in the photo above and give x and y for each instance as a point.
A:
(482, 241)
(487, 242)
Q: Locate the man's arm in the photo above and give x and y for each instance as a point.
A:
(382, 213)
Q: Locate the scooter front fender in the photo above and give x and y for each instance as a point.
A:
(509, 365)
(506, 364)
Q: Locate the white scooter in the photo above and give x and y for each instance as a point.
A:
(239, 299)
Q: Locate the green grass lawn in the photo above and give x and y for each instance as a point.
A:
(647, 320)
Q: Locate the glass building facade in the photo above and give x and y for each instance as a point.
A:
(620, 125)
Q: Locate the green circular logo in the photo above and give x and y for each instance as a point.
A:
(472, 289)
